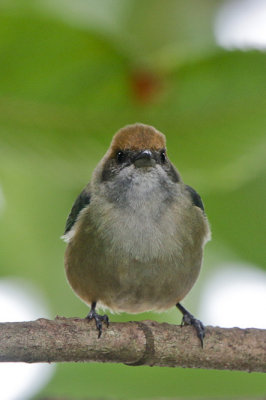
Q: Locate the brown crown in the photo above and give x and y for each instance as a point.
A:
(138, 137)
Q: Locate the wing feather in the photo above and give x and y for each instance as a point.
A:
(195, 197)
(81, 202)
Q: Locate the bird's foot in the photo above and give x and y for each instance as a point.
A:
(189, 319)
(99, 319)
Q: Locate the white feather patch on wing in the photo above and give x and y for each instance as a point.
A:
(69, 235)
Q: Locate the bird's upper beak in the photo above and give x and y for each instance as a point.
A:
(144, 159)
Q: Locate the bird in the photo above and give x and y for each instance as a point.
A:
(135, 234)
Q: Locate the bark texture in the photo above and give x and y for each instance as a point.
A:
(132, 343)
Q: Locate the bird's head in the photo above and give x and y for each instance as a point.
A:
(137, 155)
(137, 147)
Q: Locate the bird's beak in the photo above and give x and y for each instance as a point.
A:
(144, 159)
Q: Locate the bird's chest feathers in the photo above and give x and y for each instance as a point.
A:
(140, 225)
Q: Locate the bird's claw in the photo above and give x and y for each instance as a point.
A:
(189, 319)
(99, 320)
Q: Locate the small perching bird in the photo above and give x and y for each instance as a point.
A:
(136, 232)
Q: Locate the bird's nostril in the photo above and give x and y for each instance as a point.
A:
(147, 154)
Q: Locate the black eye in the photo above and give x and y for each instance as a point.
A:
(163, 156)
(120, 156)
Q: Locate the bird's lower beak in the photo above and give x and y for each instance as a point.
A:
(144, 159)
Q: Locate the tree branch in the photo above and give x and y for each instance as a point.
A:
(133, 343)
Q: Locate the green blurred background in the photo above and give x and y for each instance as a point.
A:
(71, 74)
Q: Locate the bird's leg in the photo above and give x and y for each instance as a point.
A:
(99, 319)
(189, 319)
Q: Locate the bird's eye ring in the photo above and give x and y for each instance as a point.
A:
(163, 156)
(120, 155)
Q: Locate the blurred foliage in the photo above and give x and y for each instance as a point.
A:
(71, 74)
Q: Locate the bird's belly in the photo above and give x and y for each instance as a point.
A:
(145, 287)
(136, 266)
(127, 284)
